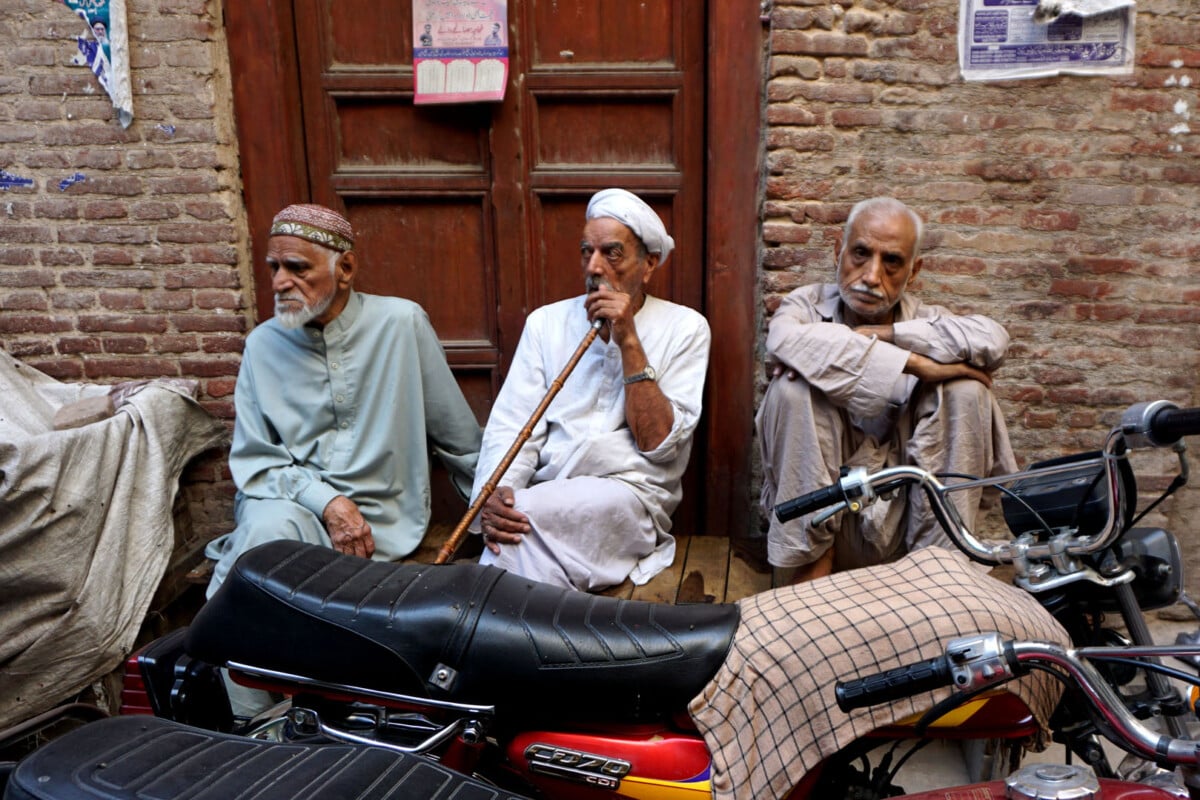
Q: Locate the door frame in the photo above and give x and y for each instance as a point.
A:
(267, 105)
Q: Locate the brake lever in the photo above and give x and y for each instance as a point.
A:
(828, 513)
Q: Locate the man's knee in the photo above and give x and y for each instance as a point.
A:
(263, 521)
(785, 394)
(968, 393)
(959, 399)
(792, 409)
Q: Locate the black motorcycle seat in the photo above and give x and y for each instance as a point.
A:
(460, 632)
(134, 758)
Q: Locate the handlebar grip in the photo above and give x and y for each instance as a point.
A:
(1171, 424)
(812, 501)
(894, 684)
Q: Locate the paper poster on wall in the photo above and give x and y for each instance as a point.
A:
(460, 50)
(1001, 39)
(104, 49)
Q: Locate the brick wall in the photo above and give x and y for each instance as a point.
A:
(137, 271)
(1066, 208)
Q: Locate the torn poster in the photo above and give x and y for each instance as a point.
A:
(104, 49)
(1050, 10)
(460, 50)
(1002, 39)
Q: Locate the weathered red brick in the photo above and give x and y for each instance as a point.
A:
(70, 345)
(130, 323)
(126, 345)
(209, 323)
(1081, 288)
(23, 301)
(209, 367)
(131, 367)
(220, 387)
(33, 323)
(175, 343)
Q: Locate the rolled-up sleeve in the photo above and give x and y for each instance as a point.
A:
(682, 382)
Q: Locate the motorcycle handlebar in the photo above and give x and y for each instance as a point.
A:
(894, 684)
(807, 503)
(1168, 425)
(979, 662)
(1154, 424)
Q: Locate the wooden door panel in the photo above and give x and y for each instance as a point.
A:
(618, 131)
(607, 32)
(378, 132)
(365, 32)
(405, 247)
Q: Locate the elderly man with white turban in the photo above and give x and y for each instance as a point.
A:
(587, 501)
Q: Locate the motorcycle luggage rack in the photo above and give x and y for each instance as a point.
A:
(469, 723)
(269, 675)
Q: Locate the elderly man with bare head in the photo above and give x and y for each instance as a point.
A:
(866, 375)
(587, 501)
(341, 399)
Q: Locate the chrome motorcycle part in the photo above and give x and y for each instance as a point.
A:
(1052, 782)
(576, 766)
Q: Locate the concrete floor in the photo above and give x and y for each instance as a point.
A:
(942, 764)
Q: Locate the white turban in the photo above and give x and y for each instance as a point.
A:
(631, 211)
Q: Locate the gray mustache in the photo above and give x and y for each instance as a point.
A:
(860, 289)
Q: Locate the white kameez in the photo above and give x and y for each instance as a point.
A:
(594, 533)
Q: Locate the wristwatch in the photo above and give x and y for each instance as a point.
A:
(648, 374)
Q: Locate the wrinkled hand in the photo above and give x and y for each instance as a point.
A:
(615, 308)
(347, 529)
(929, 371)
(500, 522)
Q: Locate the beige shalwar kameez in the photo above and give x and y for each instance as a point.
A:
(852, 404)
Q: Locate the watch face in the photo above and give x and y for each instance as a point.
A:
(650, 373)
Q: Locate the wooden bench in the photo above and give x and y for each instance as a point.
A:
(707, 569)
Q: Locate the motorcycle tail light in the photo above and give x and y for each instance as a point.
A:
(135, 699)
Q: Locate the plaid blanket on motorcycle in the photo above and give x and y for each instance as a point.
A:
(770, 716)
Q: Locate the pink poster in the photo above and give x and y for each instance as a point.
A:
(460, 50)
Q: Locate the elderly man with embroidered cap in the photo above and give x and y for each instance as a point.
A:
(340, 399)
(587, 501)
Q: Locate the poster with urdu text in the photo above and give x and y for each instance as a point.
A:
(1000, 39)
(460, 50)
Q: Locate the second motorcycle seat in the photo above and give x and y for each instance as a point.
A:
(134, 758)
(465, 633)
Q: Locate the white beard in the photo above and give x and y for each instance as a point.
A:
(296, 319)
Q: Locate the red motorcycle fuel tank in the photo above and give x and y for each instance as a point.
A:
(640, 762)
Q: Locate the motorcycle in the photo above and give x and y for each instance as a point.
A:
(124, 758)
(411, 661)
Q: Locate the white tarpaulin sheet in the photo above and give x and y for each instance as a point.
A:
(85, 527)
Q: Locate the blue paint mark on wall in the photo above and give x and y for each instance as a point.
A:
(10, 181)
(67, 182)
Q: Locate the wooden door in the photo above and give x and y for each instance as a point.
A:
(475, 211)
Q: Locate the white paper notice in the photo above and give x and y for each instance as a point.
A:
(1002, 39)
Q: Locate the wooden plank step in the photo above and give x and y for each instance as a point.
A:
(664, 587)
(704, 570)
